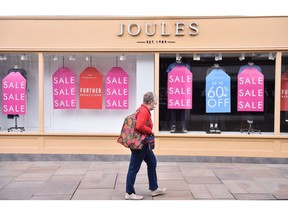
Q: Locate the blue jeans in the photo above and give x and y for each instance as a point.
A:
(136, 159)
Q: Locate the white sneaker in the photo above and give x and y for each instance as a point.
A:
(158, 191)
(133, 197)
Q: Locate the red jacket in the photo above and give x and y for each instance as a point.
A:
(144, 122)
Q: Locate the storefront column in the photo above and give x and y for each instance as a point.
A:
(41, 92)
(277, 93)
(156, 87)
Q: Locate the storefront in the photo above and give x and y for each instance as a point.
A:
(79, 77)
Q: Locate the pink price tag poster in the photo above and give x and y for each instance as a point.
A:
(64, 89)
(250, 91)
(180, 81)
(117, 88)
(14, 94)
(284, 92)
(90, 91)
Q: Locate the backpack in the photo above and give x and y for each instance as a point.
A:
(129, 136)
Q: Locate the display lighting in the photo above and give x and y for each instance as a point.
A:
(271, 56)
(218, 57)
(196, 57)
(24, 57)
(122, 57)
(242, 57)
(72, 58)
(3, 58)
(55, 58)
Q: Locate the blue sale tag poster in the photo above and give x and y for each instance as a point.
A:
(218, 92)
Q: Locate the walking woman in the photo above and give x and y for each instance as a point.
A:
(144, 125)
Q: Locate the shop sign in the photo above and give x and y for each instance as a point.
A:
(14, 94)
(218, 96)
(180, 88)
(90, 91)
(117, 88)
(64, 89)
(153, 29)
(250, 91)
(284, 92)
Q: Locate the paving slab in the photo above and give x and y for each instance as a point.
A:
(200, 191)
(252, 196)
(98, 179)
(219, 191)
(57, 188)
(93, 194)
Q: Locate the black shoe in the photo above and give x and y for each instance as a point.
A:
(212, 130)
(217, 130)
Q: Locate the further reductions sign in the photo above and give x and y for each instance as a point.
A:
(250, 91)
(14, 94)
(64, 89)
(180, 88)
(218, 99)
(90, 91)
(117, 89)
(284, 92)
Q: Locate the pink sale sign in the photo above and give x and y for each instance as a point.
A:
(250, 91)
(117, 88)
(180, 88)
(64, 89)
(14, 94)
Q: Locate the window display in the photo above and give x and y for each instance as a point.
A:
(19, 91)
(232, 105)
(218, 95)
(180, 81)
(96, 90)
(284, 94)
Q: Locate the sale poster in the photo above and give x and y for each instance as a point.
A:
(218, 92)
(64, 89)
(90, 91)
(284, 92)
(14, 94)
(117, 88)
(179, 84)
(250, 91)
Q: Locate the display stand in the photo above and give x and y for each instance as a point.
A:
(250, 129)
(16, 126)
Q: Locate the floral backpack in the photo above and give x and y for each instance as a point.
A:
(129, 136)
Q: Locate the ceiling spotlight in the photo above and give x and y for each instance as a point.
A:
(72, 57)
(87, 58)
(242, 57)
(55, 58)
(196, 57)
(218, 57)
(122, 57)
(24, 57)
(3, 58)
(271, 56)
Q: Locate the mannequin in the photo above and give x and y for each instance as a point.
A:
(250, 117)
(178, 113)
(214, 117)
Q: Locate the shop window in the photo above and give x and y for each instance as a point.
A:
(19, 92)
(284, 94)
(92, 93)
(225, 113)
